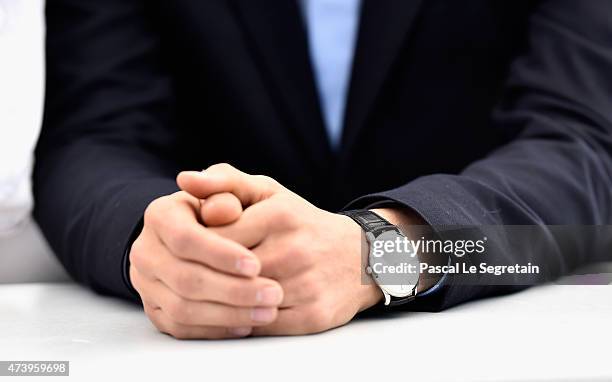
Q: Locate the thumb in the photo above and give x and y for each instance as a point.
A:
(223, 178)
(220, 209)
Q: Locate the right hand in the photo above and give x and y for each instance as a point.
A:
(193, 283)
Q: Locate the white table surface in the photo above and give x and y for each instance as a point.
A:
(546, 333)
(26, 257)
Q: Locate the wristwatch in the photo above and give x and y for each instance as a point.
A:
(392, 260)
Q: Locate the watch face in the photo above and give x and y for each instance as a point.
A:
(394, 263)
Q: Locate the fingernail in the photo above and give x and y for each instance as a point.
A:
(263, 314)
(248, 266)
(269, 296)
(240, 332)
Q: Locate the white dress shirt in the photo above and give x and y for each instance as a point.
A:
(21, 105)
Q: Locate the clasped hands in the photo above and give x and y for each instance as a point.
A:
(233, 255)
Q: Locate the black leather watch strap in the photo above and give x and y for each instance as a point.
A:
(369, 221)
(375, 224)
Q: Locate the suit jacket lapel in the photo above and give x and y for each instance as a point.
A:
(383, 31)
(278, 35)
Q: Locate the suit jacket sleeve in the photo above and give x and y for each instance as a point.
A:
(107, 145)
(556, 168)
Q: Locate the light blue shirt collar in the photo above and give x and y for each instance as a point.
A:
(332, 33)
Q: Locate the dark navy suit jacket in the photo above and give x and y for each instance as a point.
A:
(472, 112)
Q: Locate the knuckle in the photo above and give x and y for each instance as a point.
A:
(220, 167)
(180, 239)
(275, 263)
(268, 181)
(153, 212)
(295, 247)
(299, 253)
(137, 253)
(283, 214)
(178, 310)
(188, 283)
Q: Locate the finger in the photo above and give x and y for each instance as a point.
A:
(250, 189)
(164, 324)
(220, 209)
(179, 230)
(251, 228)
(194, 281)
(141, 283)
(204, 313)
(148, 253)
(285, 256)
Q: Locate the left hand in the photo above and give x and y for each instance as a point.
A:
(315, 255)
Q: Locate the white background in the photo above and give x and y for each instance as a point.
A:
(21, 103)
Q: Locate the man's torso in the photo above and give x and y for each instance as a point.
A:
(425, 80)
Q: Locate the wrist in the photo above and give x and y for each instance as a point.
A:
(368, 292)
(371, 295)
